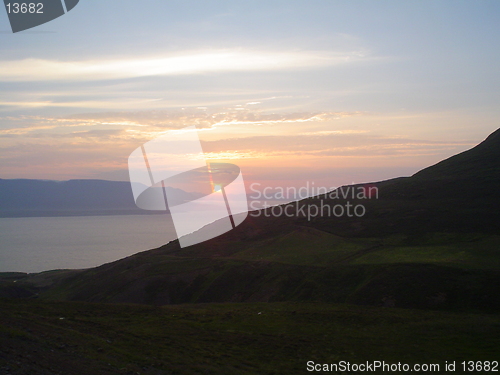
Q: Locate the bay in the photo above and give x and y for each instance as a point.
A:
(36, 244)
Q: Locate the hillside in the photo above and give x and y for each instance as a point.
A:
(459, 194)
(430, 241)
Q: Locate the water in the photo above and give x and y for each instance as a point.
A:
(46, 243)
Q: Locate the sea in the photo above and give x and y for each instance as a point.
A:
(36, 244)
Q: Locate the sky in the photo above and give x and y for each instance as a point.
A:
(331, 92)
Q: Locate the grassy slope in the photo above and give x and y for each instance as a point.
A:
(435, 270)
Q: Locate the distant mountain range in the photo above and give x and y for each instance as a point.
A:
(23, 197)
(429, 241)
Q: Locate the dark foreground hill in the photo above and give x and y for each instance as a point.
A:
(427, 241)
(74, 338)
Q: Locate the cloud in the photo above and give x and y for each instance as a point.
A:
(85, 144)
(120, 103)
(188, 63)
(226, 133)
(149, 124)
(327, 144)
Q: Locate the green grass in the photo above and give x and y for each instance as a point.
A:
(443, 270)
(464, 251)
(247, 338)
(306, 246)
(311, 247)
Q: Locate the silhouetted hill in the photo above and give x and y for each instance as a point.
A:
(429, 241)
(457, 194)
(24, 197)
(480, 164)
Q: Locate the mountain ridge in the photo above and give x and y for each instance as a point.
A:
(426, 242)
(77, 197)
